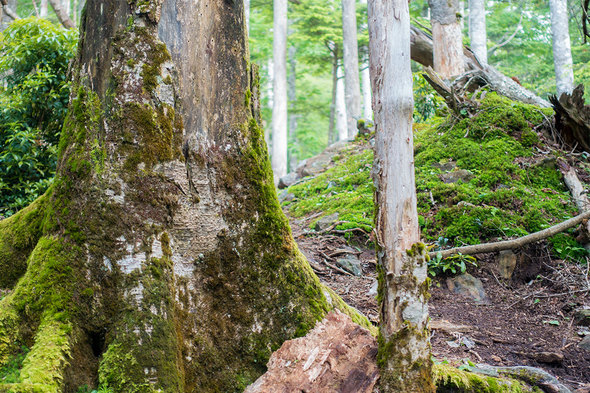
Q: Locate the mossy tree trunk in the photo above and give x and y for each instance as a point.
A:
(159, 260)
(404, 346)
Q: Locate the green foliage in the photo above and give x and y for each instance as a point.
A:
(10, 372)
(455, 264)
(34, 56)
(567, 248)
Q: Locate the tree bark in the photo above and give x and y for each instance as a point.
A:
(562, 52)
(7, 13)
(447, 37)
(404, 346)
(279, 111)
(332, 125)
(43, 9)
(351, 66)
(341, 112)
(422, 49)
(292, 98)
(477, 30)
(159, 260)
(247, 14)
(366, 78)
(62, 14)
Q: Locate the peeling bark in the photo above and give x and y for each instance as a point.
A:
(447, 38)
(404, 346)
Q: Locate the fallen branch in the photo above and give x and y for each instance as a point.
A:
(578, 192)
(514, 243)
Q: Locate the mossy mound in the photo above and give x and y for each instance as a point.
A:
(478, 179)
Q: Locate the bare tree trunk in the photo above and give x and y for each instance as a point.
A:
(292, 97)
(351, 66)
(247, 14)
(159, 260)
(447, 37)
(562, 52)
(43, 9)
(7, 13)
(331, 127)
(477, 30)
(62, 14)
(341, 118)
(279, 111)
(367, 100)
(404, 346)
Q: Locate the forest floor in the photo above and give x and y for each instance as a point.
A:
(523, 321)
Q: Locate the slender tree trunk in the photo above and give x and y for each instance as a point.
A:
(367, 99)
(477, 30)
(279, 111)
(247, 14)
(562, 52)
(62, 14)
(292, 97)
(341, 118)
(404, 346)
(447, 37)
(331, 127)
(66, 6)
(43, 9)
(159, 260)
(351, 66)
(7, 14)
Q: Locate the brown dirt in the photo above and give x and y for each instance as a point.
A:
(526, 321)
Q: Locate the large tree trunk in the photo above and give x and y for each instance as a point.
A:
(422, 52)
(477, 30)
(351, 66)
(159, 260)
(404, 346)
(562, 52)
(447, 36)
(279, 110)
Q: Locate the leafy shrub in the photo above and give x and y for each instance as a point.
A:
(34, 57)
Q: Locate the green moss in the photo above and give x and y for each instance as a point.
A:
(508, 194)
(449, 379)
(152, 69)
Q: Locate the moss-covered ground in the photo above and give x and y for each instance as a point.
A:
(478, 179)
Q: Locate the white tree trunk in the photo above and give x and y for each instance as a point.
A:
(341, 124)
(367, 101)
(43, 9)
(247, 14)
(351, 66)
(405, 348)
(447, 37)
(292, 98)
(562, 52)
(279, 110)
(477, 30)
(66, 7)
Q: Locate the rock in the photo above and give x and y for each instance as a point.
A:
(318, 164)
(548, 357)
(286, 196)
(288, 180)
(506, 263)
(468, 286)
(447, 166)
(373, 290)
(351, 264)
(336, 356)
(326, 222)
(456, 175)
(536, 376)
(582, 317)
(585, 343)
(448, 327)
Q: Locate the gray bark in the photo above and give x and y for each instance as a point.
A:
(405, 347)
(292, 98)
(351, 66)
(279, 111)
(367, 96)
(341, 112)
(562, 52)
(332, 125)
(247, 14)
(43, 9)
(447, 37)
(477, 30)
(62, 14)
(7, 13)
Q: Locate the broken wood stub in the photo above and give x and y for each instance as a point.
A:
(572, 118)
